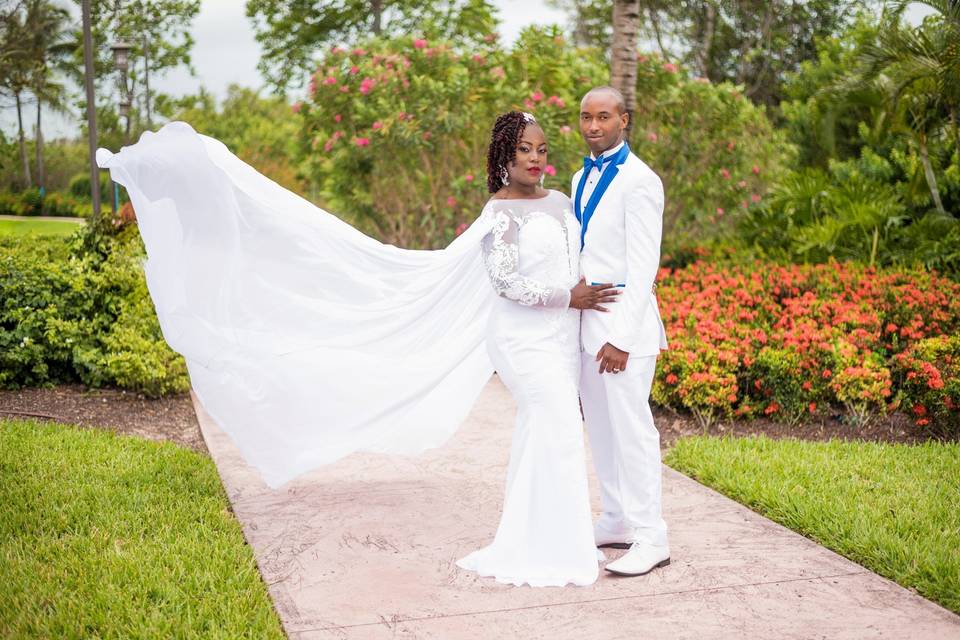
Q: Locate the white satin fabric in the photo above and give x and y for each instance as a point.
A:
(305, 339)
(545, 536)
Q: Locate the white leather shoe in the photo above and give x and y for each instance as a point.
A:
(605, 539)
(641, 559)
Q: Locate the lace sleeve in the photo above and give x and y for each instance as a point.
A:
(501, 257)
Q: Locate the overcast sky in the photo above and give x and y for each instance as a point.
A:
(225, 52)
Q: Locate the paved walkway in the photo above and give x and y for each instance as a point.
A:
(365, 548)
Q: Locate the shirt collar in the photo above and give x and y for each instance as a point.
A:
(608, 152)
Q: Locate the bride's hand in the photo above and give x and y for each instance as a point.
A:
(587, 296)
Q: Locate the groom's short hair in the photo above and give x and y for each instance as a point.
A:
(613, 91)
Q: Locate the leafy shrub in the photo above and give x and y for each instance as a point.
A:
(80, 186)
(69, 315)
(65, 205)
(30, 203)
(786, 341)
(394, 133)
(929, 380)
(12, 205)
(716, 151)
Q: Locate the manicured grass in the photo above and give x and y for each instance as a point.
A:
(105, 536)
(41, 227)
(891, 508)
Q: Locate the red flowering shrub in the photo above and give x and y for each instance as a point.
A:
(786, 341)
(928, 376)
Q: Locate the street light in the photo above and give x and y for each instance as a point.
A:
(121, 60)
(91, 109)
(121, 56)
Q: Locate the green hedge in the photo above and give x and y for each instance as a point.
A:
(30, 203)
(74, 315)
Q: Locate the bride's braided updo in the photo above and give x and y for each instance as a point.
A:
(503, 146)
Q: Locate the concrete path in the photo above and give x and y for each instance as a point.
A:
(365, 548)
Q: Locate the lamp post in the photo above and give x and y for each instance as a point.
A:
(91, 110)
(121, 60)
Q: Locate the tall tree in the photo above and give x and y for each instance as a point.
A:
(51, 48)
(919, 70)
(623, 53)
(292, 32)
(158, 28)
(754, 43)
(591, 26)
(15, 72)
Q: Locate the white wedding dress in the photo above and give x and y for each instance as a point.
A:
(307, 341)
(545, 537)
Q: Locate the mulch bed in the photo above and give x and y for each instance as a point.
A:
(894, 428)
(172, 418)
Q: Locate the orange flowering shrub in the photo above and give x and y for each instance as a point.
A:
(788, 341)
(929, 379)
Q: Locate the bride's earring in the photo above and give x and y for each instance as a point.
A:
(542, 177)
(504, 176)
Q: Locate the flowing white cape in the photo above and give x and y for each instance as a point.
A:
(305, 339)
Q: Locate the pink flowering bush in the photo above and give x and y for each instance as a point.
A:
(716, 151)
(419, 115)
(787, 342)
(426, 109)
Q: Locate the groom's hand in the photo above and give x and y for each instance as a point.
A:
(611, 359)
(586, 296)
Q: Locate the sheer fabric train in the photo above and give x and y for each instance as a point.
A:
(305, 339)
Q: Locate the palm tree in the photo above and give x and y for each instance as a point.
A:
(51, 51)
(919, 71)
(623, 53)
(15, 73)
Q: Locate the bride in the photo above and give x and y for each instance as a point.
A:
(307, 340)
(531, 254)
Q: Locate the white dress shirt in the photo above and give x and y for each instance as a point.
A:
(594, 177)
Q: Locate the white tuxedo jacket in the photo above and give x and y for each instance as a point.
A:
(622, 246)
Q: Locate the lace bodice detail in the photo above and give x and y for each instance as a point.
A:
(528, 253)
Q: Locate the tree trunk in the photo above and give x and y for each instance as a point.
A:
(41, 172)
(930, 176)
(706, 40)
(23, 144)
(955, 121)
(655, 23)
(146, 81)
(376, 8)
(623, 54)
(91, 107)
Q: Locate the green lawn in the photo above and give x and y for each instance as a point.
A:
(105, 536)
(892, 508)
(41, 227)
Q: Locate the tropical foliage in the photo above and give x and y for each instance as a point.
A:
(875, 120)
(80, 312)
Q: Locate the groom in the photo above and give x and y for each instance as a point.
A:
(619, 202)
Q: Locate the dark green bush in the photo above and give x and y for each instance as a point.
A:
(72, 315)
(65, 205)
(80, 186)
(11, 205)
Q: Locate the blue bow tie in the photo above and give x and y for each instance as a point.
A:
(589, 163)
